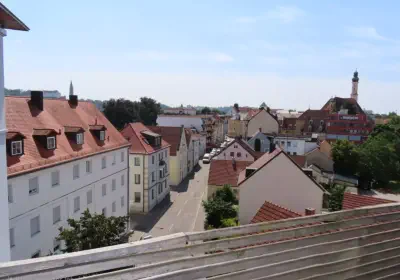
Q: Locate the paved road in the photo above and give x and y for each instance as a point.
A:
(180, 212)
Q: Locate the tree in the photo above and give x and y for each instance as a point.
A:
(149, 109)
(92, 231)
(220, 208)
(206, 111)
(345, 157)
(336, 198)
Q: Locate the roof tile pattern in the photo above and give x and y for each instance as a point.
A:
(170, 134)
(224, 172)
(139, 145)
(352, 201)
(272, 212)
(57, 114)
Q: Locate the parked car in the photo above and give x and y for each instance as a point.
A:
(145, 237)
(206, 158)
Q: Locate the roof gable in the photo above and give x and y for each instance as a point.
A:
(267, 114)
(272, 212)
(224, 172)
(171, 134)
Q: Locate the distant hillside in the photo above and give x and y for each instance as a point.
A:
(20, 92)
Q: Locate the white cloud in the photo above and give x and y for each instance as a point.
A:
(285, 14)
(365, 32)
(221, 57)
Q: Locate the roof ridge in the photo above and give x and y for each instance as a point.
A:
(284, 208)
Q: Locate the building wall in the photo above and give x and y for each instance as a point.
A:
(326, 148)
(148, 188)
(202, 146)
(235, 128)
(264, 121)
(177, 121)
(264, 142)
(175, 171)
(25, 206)
(235, 149)
(320, 159)
(295, 146)
(280, 182)
(185, 111)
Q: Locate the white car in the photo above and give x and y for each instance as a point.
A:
(206, 158)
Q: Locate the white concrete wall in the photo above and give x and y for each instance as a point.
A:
(177, 121)
(25, 206)
(279, 182)
(235, 149)
(264, 121)
(298, 146)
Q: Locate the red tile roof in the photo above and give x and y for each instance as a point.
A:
(139, 145)
(245, 146)
(272, 212)
(352, 200)
(314, 114)
(300, 160)
(223, 172)
(170, 134)
(57, 114)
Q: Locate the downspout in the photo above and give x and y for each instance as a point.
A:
(143, 184)
(128, 186)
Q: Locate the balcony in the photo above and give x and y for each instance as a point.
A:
(357, 244)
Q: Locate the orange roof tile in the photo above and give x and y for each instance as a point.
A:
(57, 114)
(352, 201)
(272, 212)
(299, 159)
(223, 172)
(133, 133)
(171, 134)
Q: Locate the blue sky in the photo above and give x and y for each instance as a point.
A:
(290, 54)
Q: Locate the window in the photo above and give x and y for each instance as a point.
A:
(294, 153)
(137, 161)
(103, 162)
(289, 144)
(295, 144)
(76, 171)
(152, 194)
(77, 203)
(33, 186)
(137, 178)
(55, 178)
(160, 188)
(51, 143)
(102, 135)
(114, 185)
(104, 190)
(283, 143)
(88, 166)
(232, 154)
(56, 214)
(165, 184)
(288, 153)
(137, 197)
(35, 225)
(152, 159)
(56, 245)
(113, 207)
(122, 156)
(89, 197)
(10, 194)
(161, 174)
(123, 201)
(36, 255)
(12, 238)
(79, 138)
(238, 154)
(153, 176)
(104, 211)
(166, 154)
(122, 180)
(16, 148)
(235, 146)
(114, 159)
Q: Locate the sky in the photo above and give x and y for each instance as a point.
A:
(289, 54)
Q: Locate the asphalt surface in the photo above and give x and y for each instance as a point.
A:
(181, 211)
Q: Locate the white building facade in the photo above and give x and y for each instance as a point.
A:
(295, 145)
(186, 121)
(40, 202)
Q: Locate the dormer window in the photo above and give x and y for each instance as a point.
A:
(51, 143)
(16, 148)
(102, 135)
(152, 138)
(99, 131)
(79, 138)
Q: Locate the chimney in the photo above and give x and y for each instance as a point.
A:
(249, 171)
(259, 129)
(310, 211)
(37, 99)
(73, 100)
(233, 163)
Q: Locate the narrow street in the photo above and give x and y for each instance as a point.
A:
(180, 212)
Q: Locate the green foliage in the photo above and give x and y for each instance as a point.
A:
(220, 207)
(230, 222)
(92, 231)
(122, 111)
(206, 111)
(335, 202)
(345, 157)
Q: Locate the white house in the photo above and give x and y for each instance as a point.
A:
(276, 178)
(180, 111)
(148, 167)
(63, 157)
(8, 21)
(187, 121)
(262, 121)
(239, 150)
(296, 145)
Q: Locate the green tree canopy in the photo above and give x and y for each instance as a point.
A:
(345, 157)
(92, 231)
(336, 198)
(206, 111)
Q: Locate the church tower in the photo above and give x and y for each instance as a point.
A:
(354, 89)
(71, 89)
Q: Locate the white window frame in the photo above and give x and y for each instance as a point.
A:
(77, 204)
(113, 184)
(10, 193)
(137, 161)
(88, 165)
(75, 171)
(12, 237)
(137, 179)
(89, 197)
(104, 211)
(123, 180)
(38, 225)
(104, 190)
(114, 207)
(138, 197)
(34, 191)
(55, 178)
(79, 138)
(122, 201)
(56, 210)
(114, 159)
(103, 162)
(122, 156)
(102, 135)
(51, 142)
(16, 148)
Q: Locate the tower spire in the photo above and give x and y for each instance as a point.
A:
(71, 89)
(354, 89)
